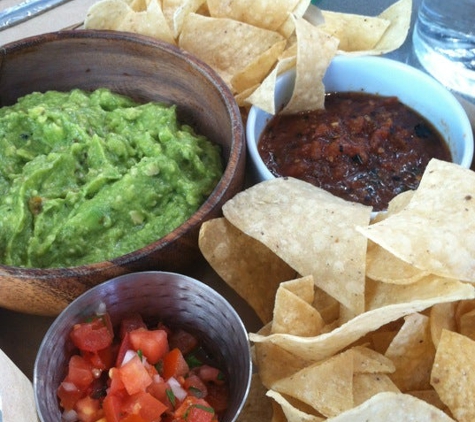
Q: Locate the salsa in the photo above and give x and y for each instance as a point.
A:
(89, 176)
(140, 373)
(362, 147)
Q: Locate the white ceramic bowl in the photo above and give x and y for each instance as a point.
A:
(376, 75)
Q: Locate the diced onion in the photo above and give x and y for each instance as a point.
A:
(68, 386)
(129, 354)
(177, 389)
(69, 416)
(157, 378)
(101, 309)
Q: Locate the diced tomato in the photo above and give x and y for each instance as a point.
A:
(92, 336)
(88, 409)
(158, 389)
(134, 391)
(145, 405)
(112, 406)
(183, 340)
(125, 345)
(129, 323)
(218, 396)
(80, 372)
(151, 369)
(134, 376)
(174, 364)
(152, 343)
(166, 328)
(132, 418)
(116, 385)
(100, 359)
(69, 394)
(195, 386)
(195, 410)
(210, 374)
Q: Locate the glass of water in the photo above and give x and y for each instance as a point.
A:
(444, 42)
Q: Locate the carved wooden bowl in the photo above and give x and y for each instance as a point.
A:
(144, 69)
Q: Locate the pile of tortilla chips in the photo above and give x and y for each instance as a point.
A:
(362, 319)
(249, 42)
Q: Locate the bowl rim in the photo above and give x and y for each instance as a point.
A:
(288, 76)
(237, 148)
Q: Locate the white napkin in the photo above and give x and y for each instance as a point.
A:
(16, 392)
(64, 16)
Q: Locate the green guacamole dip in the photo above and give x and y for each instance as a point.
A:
(86, 177)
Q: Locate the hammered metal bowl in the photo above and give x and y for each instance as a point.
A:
(175, 299)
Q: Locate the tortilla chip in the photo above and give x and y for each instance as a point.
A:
(258, 69)
(368, 361)
(390, 30)
(326, 386)
(138, 5)
(431, 397)
(118, 15)
(399, 14)
(381, 339)
(366, 386)
(379, 295)
(355, 32)
(393, 407)
(242, 99)
(303, 287)
(294, 315)
(175, 12)
(326, 305)
(315, 50)
(434, 224)
(275, 363)
(442, 317)
(412, 352)
(151, 22)
(467, 325)
(263, 96)
(453, 374)
(228, 46)
(311, 230)
(325, 345)
(107, 14)
(462, 308)
(245, 264)
(383, 266)
(267, 14)
(290, 412)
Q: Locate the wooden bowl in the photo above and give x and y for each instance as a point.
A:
(146, 70)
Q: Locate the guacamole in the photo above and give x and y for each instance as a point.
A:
(86, 177)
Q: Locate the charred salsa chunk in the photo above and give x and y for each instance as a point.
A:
(140, 373)
(362, 147)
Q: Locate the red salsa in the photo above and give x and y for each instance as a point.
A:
(140, 373)
(362, 147)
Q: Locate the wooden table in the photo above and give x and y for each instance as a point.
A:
(21, 334)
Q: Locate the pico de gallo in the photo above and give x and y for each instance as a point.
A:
(140, 373)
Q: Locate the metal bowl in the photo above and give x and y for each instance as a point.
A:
(176, 299)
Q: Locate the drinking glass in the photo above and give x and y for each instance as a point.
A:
(444, 42)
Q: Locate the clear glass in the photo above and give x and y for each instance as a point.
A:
(444, 42)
